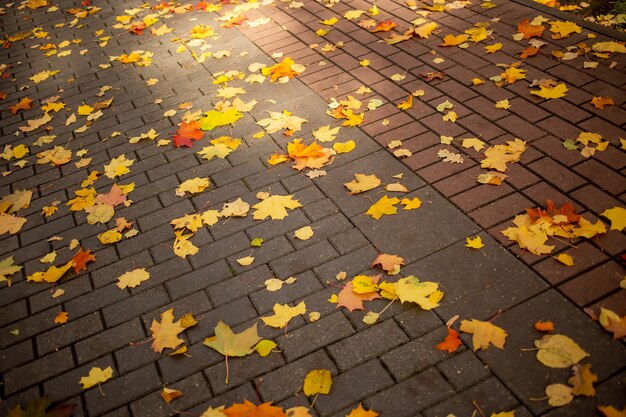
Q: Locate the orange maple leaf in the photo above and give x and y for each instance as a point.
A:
(248, 409)
(384, 26)
(529, 30)
(114, 197)
(23, 104)
(600, 102)
(79, 261)
(551, 210)
(187, 131)
(544, 326)
(387, 262)
(451, 343)
(528, 52)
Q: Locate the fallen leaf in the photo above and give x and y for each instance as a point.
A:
(610, 411)
(8, 268)
(600, 102)
(245, 261)
(544, 326)
(265, 347)
(558, 351)
(582, 380)
(474, 243)
(53, 274)
(317, 381)
(565, 259)
(484, 334)
(80, 260)
(559, 395)
(275, 207)
(452, 341)
(425, 294)
(192, 186)
(169, 394)
(248, 409)
(556, 91)
(96, 376)
(61, 318)
(304, 233)
(165, 334)
(132, 278)
(384, 205)
(118, 166)
(362, 183)
(388, 262)
(617, 216)
(283, 313)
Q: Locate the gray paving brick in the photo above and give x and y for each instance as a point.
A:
(68, 333)
(524, 374)
(269, 251)
(352, 263)
(198, 279)
(288, 379)
(174, 368)
(306, 283)
(68, 384)
(195, 304)
(241, 370)
(38, 370)
(122, 390)
(367, 344)
(303, 259)
(109, 341)
(463, 369)
(195, 389)
(29, 327)
(354, 385)
(490, 275)
(239, 285)
(233, 313)
(95, 300)
(16, 355)
(424, 389)
(314, 336)
(132, 307)
(109, 274)
(220, 249)
(490, 395)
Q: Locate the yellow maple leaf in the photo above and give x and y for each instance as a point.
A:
(362, 412)
(557, 91)
(425, 294)
(53, 274)
(484, 334)
(220, 151)
(351, 118)
(384, 205)
(193, 222)
(275, 207)
(110, 236)
(362, 183)
(132, 278)
(215, 118)
(56, 156)
(562, 29)
(617, 216)
(100, 213)
(451, 40)
(326, 133)
(283, 313)
(15, 201)
(424, 31)
(183, 246)
(165, 333)
(85, 110)
(193, 186)
(411, 204)
(491, 49)
(118, 166)
(96, 376)
(474, 243)
(475, 143)
(405, 105)
(8, 268)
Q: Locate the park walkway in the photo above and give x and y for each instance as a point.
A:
(185, 60)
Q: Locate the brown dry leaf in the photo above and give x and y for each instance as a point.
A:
(582, 380)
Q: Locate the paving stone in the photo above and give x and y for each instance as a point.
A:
(276, 385)
(195, 390)
(68, 384)
(490, 276)
(314, 336)
(239, 286)
(122, 390)
(16, 355)
(354, 385)
(367, 344)
(303, 259)
(425, 389)
(38, 370)
(434, 210)
(490, 395)
(108, 341)
(463, 370)
(525, 376)
(241, 370)
(233, 313)
(198, 279)
(68, 333)
(380, 163)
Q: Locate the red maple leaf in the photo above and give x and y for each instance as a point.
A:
(202, 5)
(79, 261)
(186, 133)
(551, 210)
(451, 343)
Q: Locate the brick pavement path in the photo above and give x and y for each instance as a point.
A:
(391, 366)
